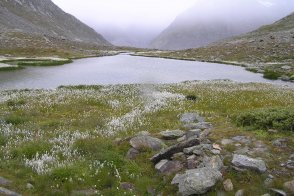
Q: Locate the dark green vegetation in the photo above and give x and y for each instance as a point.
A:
(281, 119)
(37, 62)
(64, 141)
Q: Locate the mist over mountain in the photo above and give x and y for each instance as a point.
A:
(40, 23)
(134, 36)
(213, 20)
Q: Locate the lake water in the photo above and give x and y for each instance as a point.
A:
(124, 69)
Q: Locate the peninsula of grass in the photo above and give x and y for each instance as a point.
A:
(64, 141)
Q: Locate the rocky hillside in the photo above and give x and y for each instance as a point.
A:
(206, 23)
(26, 24)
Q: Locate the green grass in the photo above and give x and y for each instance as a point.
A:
(272, 75)
(63, 140)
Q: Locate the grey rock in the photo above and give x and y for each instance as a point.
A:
(272, 131)
(291, 156)
(179, 157)
(198, 152)
(244, 162)
(197, 181)
(244, 150)
(227, 141)
(167, 167)
(4, 181)
(279, 192)
(191, 118)
(286, 67)
(240, 193)
(4, 191)
(168, 152)
(142, 133)
(127, 186)
(242, 139)
(200, 125)
(30, 186)
(204, 134)
(141, 142)
(228, 185)
(85, 192)
(216, 152)
(172, 134)
(281, 142)
(132, 153)
(190, 150)
(181, 139)
(268, 182)
(193, 133)
(267, 194)
(289, 186)
(213, 162)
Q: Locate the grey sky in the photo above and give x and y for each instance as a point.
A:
(125, 12)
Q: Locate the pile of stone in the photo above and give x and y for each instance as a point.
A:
(195, 162)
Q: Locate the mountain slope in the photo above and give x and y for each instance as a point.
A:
(213, 20)
(269, 49)
(40, 23)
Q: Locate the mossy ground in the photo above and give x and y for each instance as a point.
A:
(63, 140)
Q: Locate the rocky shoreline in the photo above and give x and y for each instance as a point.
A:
(196, 163)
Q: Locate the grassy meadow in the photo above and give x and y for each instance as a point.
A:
(65, 141)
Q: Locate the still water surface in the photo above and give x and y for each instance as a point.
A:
(124, 69)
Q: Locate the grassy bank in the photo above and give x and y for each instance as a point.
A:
(64, 141)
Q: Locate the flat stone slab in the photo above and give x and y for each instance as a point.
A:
(145, 141)
(168, 167)
(191, 118)
(170, 151)
(172, 134)
(4, 181)
(244, 162)
(4, 191)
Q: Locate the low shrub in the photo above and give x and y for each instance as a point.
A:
(272, 75)
(281, 119)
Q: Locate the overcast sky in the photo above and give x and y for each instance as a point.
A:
(125, 12)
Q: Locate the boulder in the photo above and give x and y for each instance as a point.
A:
(228, 185)
(289, 186)
(127, 186)
(172, 134)
(132, 153)
(281, 142)
(193, 133)
(200, 125)
(242, 139)
(168, 167)
(4, 181)
(168, 152)
(213, 162)
(4, 191)
(197, 181)
(191, 118)
(240, 192)
(244, 162)
(145, 141)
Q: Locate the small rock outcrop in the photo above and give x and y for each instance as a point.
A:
(179, 147)
(191, 118)
(197, 181)
(289, 186)
(145, 141)
(243, 162)
(172, 134)
(228, 185)
(168, 167)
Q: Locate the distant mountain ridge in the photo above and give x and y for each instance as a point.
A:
(210, 21)
(33, 23)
